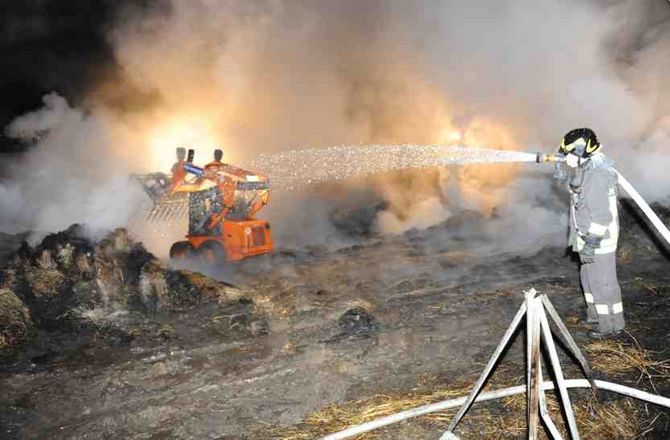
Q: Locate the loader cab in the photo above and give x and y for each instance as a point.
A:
(201, 206)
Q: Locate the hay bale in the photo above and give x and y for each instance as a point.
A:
(64, 251)
(153, 287)
(15, 321)
(213, 289)
(167, 289)
(70, 283)
(47, 292)
(8, 279)
(118, 268)
(45, 284)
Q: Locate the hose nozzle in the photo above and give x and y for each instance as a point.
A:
(541, 157)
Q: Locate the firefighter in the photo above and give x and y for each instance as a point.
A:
(178, 173)
(216, 164)
(181, 156)
(594, 229)
(224, 202)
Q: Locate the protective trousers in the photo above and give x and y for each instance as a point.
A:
(602, 293)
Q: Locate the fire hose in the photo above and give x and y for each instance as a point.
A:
(630, 190)
(644, 206)
(548, 385)
(492, 395)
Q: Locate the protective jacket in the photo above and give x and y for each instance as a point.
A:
(593, 207)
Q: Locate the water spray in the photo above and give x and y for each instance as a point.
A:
(298, 168)
(293, 169)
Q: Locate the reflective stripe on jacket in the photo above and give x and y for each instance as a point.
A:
(594, 206)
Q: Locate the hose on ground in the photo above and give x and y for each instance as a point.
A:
(492, 395)
(506, 392)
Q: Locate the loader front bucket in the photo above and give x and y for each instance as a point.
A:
(167, 207)
(169, 210)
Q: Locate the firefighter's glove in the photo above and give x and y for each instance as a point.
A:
(588, 252)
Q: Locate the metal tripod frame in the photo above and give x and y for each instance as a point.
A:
(535, 308)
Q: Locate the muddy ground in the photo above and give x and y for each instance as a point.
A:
(315, 327)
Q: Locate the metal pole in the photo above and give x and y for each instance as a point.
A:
(558, 373)
(489, 367)
(544, 413)
(529, 341)
(569, 341)
(533, 318)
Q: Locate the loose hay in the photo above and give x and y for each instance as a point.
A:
(611, 420)
(616, 359)
(335, 418)
(497, 420)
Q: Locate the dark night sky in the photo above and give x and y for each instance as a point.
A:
(51, 45)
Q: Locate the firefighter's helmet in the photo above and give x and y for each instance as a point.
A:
(582, 142)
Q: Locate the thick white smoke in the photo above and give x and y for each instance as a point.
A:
(71, 175)
(256, 77)
(548, 66)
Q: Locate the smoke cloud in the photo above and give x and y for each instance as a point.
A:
(268, 76)
(71, 175)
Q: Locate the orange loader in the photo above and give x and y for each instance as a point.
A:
(221, 201)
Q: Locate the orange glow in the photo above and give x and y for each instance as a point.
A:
(451, 136)
(187, 132)
(480, 184)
